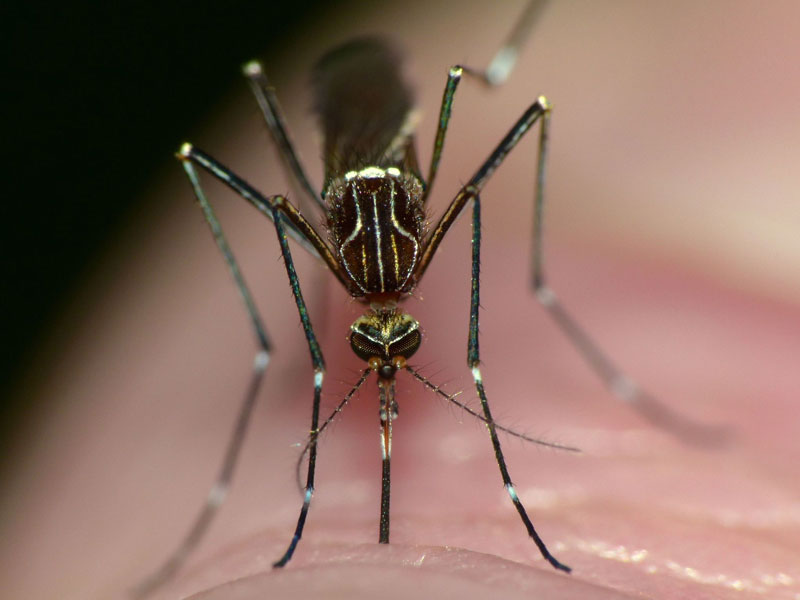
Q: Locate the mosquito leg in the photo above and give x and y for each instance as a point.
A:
(496, 74)
(219, 490)
(479, 179)
(273, 115)
(619, 384)
(283, 214)
(474, 361)
(453, 79)
(386, 393)
(503, 63)
(298, 227)
(615, 380)
(339, 408)
(318, 363)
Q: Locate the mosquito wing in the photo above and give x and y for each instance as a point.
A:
(364, 107)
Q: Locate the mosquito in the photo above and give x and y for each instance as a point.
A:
(378, 245)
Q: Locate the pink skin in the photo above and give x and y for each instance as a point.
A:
(672, 231)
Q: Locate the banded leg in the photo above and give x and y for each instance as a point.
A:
(388, 413)
(503, 63)
(445, 110)
(617, 382)
(474, 360)
(336, 411)
(624, 388)
(317, 361)
(496, 73)
(219, 489)
(298, 227)
(478, 180)
(281, 212)
(273, 115)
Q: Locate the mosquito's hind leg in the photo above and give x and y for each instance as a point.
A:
(219, 489)
(622, 386)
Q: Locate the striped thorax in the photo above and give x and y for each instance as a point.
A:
(376, 223)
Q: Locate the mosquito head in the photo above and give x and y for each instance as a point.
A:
(385, 339)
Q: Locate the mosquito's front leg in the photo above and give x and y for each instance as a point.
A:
(474, 361)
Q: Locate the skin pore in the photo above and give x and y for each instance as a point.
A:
(670, 234)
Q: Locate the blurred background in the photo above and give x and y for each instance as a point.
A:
(672, 233)
(98, 98)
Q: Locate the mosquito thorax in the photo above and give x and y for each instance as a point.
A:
(385, 339)
(376, 222)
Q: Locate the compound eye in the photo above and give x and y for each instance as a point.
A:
(406, 345)
(364, 347)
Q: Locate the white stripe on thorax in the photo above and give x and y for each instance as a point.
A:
(350, 238)
(378, 237)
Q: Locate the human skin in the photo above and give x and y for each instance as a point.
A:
(671, 219)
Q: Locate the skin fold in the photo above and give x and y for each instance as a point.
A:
(671, 226)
